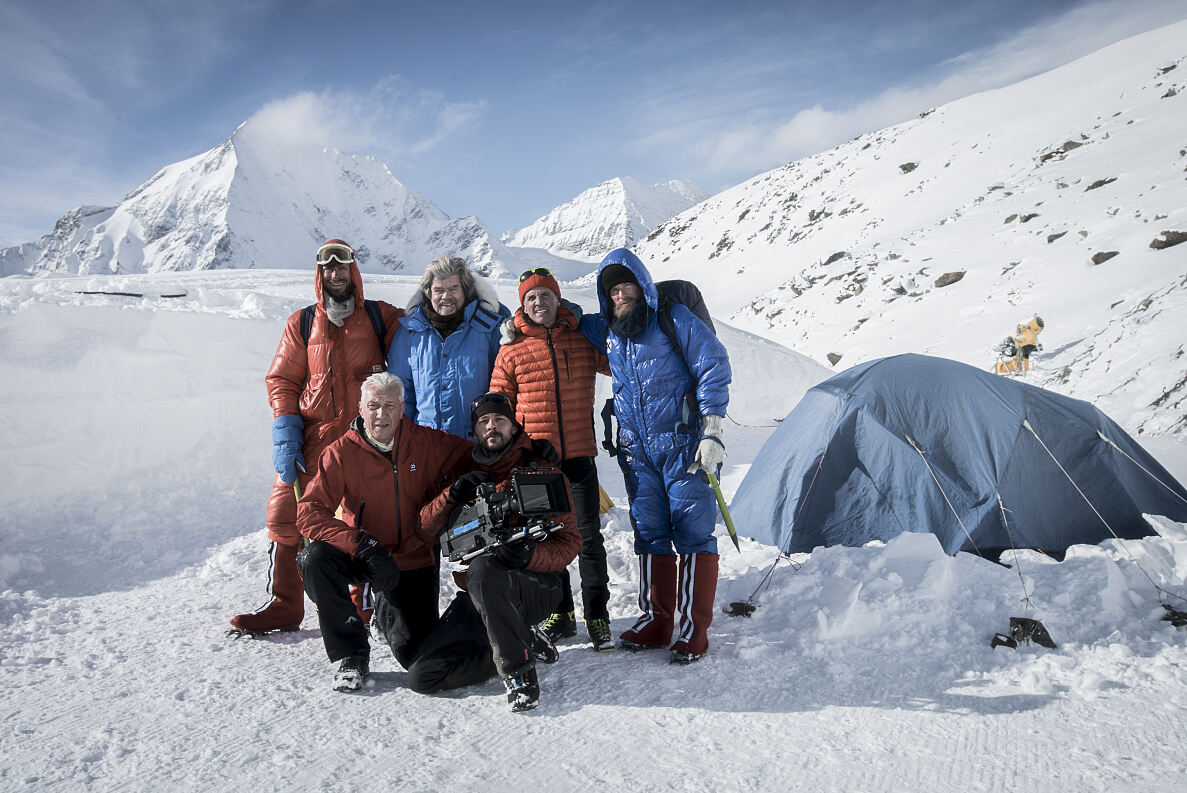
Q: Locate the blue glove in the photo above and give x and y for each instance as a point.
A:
(287, 438)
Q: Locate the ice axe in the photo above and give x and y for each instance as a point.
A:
(725, 512)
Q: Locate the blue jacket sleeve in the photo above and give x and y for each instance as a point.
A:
(707, 361)
(399, 363)
(593, 328)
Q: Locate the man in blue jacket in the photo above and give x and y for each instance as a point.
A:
(446, 345)
(670, 403)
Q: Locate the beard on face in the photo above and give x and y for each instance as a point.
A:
(495, 441)
(341, 293)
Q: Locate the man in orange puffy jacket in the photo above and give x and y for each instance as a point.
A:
(548, 370)
(314, 388)
(379, 474)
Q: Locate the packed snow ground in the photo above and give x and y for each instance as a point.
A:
(136, 464)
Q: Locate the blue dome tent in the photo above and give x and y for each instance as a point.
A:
(913, 443)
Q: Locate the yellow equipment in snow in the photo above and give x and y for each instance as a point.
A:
(1014, 352)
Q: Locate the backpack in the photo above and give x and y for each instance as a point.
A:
(372, 311)
(684, 293)
(672, 292)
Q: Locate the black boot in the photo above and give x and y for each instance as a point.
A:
(523, 690)
(353, 671)
(542, 647)
(559, 625)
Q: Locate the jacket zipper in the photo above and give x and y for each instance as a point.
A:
(396, 485)
(556, 382)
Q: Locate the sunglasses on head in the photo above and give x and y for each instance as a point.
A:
(526, 274)
(335, 252)
(493, 396)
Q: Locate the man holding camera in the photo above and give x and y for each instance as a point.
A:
(379, 473)
(490, 626)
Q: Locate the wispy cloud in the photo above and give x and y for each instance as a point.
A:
(74, 72)
(393, 120)
(742, 143)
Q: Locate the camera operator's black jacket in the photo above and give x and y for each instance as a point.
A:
(554, 552)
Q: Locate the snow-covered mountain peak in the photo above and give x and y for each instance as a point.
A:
(254, 203)
(614, 214)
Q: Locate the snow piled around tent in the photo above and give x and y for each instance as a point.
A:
(136, 468)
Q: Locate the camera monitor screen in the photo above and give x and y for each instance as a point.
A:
(535, 498)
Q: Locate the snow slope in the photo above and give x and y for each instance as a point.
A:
(941, 234)
(136, 466)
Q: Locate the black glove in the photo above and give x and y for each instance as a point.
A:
(542, 447)
(515, 555)
(464, 489)
(385, 573)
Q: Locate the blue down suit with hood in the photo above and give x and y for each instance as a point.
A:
(660, 397)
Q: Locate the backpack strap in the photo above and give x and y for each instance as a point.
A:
(373, 312)
(668, 326)
(376, 321)
(307, 322)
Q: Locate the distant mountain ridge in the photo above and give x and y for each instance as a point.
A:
(251, 203)
(248, 204)
(614, 214)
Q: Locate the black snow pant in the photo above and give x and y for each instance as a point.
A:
(405, 614)
(582, 474)
(486, 630)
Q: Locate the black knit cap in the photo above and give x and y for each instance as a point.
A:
(614, 274)
(491, 402)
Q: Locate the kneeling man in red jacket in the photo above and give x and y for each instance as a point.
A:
(379, 474)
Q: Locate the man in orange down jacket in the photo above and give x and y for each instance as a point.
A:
(548, 369)
(313, 387)
(379, 474)
(490, 625)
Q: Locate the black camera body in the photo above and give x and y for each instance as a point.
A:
(536, 498)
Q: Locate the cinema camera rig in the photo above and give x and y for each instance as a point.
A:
(528, 511)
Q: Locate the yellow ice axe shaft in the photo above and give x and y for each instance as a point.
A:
(725, 512)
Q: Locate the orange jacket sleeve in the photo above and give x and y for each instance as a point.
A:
(289, 370)
(319, 502)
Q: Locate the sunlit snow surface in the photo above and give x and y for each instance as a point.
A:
(136, 462)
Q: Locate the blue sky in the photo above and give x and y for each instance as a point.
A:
(500, 110)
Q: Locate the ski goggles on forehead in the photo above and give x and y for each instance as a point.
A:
(526, 274)
(335, 252)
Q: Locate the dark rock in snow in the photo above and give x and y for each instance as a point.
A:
(833, 358)
(835, 257)
(1100, 183)
(949, 278)
(1103, 256)
(907, 167)
(1052, 237)
(1168, 239)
